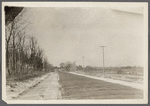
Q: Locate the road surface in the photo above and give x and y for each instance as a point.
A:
(62, 85)
(80, 87)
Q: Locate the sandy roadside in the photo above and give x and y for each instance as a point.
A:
(42, 88)
(18, 88)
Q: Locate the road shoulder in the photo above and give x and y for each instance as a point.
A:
(130, 84)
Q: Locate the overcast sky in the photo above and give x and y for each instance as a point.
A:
(67, 34)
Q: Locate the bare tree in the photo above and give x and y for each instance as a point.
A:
(13, 36)
(23, 55)
(62, 65)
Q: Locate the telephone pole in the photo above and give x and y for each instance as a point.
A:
(83, 63)
(103, 59)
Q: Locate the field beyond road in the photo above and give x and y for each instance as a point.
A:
(80, 87)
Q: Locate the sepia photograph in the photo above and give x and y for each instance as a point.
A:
(75, 52)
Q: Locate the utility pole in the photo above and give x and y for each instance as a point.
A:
(103, 59)
(83, 63)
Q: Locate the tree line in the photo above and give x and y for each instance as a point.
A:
(23, 53)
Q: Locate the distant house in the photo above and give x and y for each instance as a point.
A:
(70, 67)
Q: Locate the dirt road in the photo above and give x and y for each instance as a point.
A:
(45, 90)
